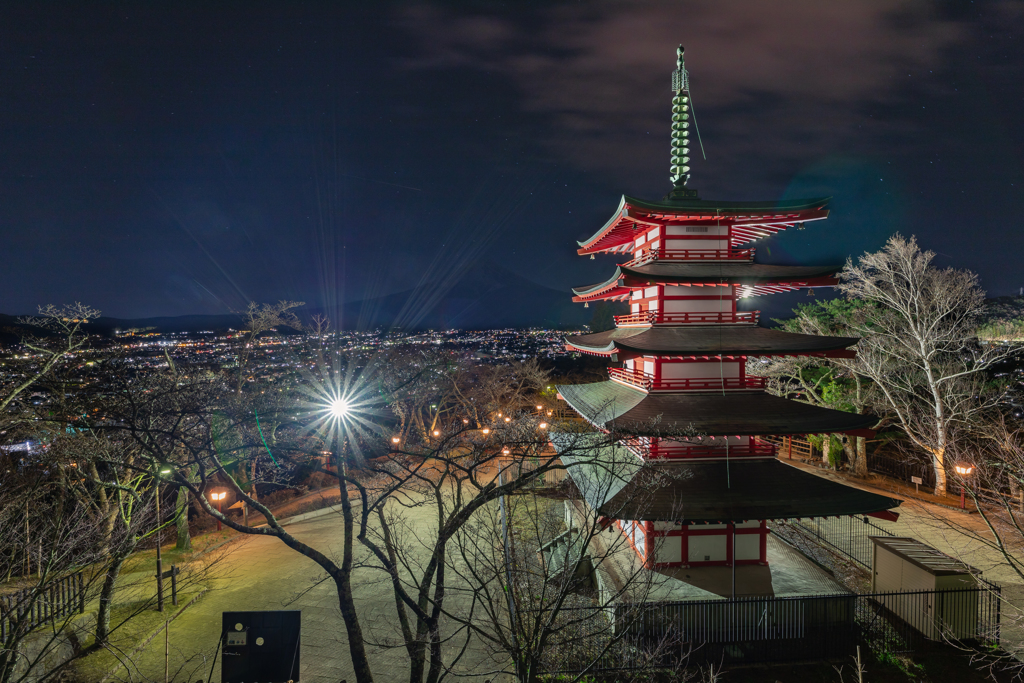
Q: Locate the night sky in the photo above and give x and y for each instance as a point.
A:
(185, 158)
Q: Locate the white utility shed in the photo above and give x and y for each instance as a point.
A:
(935, 593)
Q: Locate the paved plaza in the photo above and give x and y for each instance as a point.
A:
(261, 573)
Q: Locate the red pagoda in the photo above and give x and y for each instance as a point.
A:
(678, 388)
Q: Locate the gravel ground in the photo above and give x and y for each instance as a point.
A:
(846, 571)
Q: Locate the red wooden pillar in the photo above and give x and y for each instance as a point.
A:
(649, 545)
(764, 541)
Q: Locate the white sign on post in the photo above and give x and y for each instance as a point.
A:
(917, 481)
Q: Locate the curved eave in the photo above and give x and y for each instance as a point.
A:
(614, 407)
(623, 280)
(750, 220)
(708, 342)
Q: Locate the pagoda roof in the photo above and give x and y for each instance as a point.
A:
(755, 278)
(751, 220)
(619, 485)
(612, 406)
(707, 340)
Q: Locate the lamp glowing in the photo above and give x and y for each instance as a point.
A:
(487, 430)
(339, 408)
(395, 439)
(508, 419)
(437, 432)
(505, 451)
(543, 425)
(963, 469)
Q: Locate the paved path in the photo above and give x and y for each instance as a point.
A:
(261, 573)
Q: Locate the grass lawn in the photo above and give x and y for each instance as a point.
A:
(141, 622)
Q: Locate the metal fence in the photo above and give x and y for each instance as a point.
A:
(902, 469)
(849, 536)
(764, 630)
(31, 607)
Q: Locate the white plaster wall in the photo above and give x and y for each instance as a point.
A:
(706, 548)
(668, 549)
(748, 547)
(713, 229)
(700, 305)
(704, 370)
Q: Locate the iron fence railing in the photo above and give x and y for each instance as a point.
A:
(765, 630)
(31, 607)
(850, 536)
(902, 469)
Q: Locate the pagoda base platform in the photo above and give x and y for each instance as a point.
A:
(788, 574)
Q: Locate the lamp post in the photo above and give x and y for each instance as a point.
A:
(964, 471)
(159, 542)
(218, 496)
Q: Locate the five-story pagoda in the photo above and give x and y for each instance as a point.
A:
(678, 389)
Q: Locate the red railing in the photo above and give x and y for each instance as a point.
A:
(652, 448)
(659, 318)
(660, 254)
(647, 382)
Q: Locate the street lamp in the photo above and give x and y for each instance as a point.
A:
(163, 469)
(218, 496)
(964, 471)
(339, 408)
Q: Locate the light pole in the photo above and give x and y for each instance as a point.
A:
(218, 496)
(964, 471)
(159, 539)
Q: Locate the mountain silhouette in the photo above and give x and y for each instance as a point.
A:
(484, 296)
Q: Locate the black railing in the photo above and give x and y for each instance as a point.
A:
(28, 608)
(903, 470)
(849, 536)
(762, 630)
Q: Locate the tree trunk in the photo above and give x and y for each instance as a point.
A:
(106, 599)
(939, 465)
(343, 581)
(181, 509)
(826, 447)
(860, 463)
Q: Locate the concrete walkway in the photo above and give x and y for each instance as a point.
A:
(261, 573)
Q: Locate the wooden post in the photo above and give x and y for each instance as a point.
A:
(159, 560)
(167, 649)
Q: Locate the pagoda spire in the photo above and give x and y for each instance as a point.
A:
(682, 114)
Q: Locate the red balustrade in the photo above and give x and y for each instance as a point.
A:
(651, 448)
(647, 381)
(659, 318)
(659, 254)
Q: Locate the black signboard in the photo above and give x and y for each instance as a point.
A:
(260, 647)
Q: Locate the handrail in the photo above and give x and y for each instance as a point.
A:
(647, 381)
(660, 448)
(661, 318)
(662, 254)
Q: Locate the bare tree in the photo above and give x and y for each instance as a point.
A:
(262, 318)
(62, 331)
(919, 346)
(837, 383)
